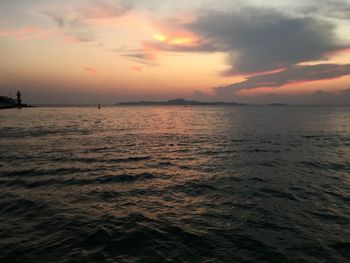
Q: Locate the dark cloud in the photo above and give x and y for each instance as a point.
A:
(258, 39)
(290, 75)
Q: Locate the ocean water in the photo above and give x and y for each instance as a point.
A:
(175, 184)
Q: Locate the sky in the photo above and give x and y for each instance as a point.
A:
(108, 51)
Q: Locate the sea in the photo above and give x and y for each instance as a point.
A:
(175, 184)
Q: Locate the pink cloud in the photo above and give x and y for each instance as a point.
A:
(147, 54)
(340, 51)
(25, 33)
(104, 9)
(297, 75)
(137, 68)
(92, 71)
(164, 36)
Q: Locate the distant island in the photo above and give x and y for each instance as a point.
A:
(278, 104)
(178, 102)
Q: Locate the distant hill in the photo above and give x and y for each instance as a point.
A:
(278, 104)
(179, 102)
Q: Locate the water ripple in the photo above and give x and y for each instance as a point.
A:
(171, 184)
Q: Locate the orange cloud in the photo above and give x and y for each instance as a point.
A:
(317, 81)
(256, 91)
(172, 33)
(170, 40)
(145, 55)
(176, 39)
(25, 33)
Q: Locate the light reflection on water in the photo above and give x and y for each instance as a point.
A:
(157, 184)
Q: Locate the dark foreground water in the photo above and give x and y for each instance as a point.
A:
(173, 184)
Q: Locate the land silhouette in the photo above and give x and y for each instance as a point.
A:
(179, 102)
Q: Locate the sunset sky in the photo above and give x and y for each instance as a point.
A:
(107, 51)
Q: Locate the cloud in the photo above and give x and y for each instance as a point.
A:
(291, 75)
(77, 25)
(146, 55)
(266, 45)
(339, 9)
(91, 70)
(73, 29)
(137, 68)
(25, 33)
(141, 56)
(255, 39)
(104, 9)
(260, 39)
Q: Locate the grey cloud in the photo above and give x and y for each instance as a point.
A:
(58, 19)
(75, 24)
(339, 9)
(258, 39)
(137, 55)
(289, 76)
(203, 45)
(102, 9)
(141, 57)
